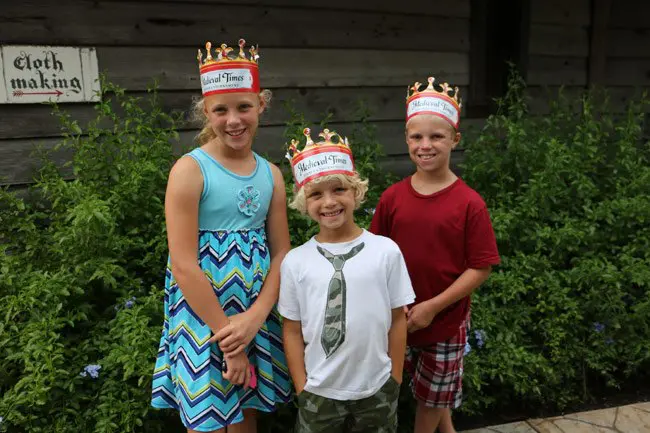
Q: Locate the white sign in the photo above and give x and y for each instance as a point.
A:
(226, 79)
(32, 74)
(321, 164)
(433, 104)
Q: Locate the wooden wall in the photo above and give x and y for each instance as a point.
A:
(322, 55)
(558, 49)
(581, 43)
(627, 46)
(326, 55)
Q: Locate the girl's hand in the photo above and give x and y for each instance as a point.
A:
(237, 371)
(240, 331)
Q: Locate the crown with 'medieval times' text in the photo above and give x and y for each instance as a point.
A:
(440, 100)
(331, 155)
(228, 71)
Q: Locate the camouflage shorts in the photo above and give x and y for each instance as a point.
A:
(374, 414)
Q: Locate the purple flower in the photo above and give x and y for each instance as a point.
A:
(479, 335)
(130, 302)
(599, 327)
(91, 370)
(468, 348)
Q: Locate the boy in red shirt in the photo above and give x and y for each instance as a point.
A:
(444, 231)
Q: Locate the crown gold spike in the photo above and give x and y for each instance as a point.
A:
(223, 54)
(445, 90)
(329, 138)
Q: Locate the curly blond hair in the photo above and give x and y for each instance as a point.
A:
(355, 182)
(198, 117)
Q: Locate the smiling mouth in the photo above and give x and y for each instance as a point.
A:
(332, 214)
(236, 132)
(426, 157)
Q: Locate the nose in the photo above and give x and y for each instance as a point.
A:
(328, 199)
(233, 119)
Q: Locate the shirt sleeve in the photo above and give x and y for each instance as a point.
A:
(399, 282)
(379, 224)
(480, 242)
(288, 304)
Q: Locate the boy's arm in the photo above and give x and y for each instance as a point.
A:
(421, 315)
(397, 342)
(481, 254)
(294, 349)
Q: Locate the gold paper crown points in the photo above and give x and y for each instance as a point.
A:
(439, 89)
(223, 54)
(329, 138)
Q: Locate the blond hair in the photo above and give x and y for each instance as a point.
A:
(355, 182)
(198, 117)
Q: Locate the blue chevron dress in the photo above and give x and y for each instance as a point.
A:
(234, 255)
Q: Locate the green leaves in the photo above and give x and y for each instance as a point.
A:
(75, 252)
(571, 219)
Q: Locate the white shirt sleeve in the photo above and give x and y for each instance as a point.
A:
(288, 304)
(399, 282)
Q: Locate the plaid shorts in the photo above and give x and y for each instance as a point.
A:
(437, 371)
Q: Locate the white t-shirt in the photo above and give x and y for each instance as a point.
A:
(376, 281)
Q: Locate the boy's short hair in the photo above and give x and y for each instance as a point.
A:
(355, 182)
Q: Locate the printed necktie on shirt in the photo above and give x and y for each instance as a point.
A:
(333, 333)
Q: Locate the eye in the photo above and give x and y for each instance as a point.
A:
(415, 136)
(313, 194)
(219, 109)
(245, 106)
(340, 189)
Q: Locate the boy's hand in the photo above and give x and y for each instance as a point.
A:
(420, 316)
(238, 372)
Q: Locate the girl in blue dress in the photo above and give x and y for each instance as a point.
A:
(221, 358)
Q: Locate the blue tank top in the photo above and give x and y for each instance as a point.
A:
(230, 201)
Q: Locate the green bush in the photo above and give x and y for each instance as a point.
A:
(568, 311)
(82, 273)
(81, 276)
(81, 269)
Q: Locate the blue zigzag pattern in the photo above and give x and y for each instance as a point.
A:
(187, 376)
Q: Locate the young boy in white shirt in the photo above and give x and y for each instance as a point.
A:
(342, 295)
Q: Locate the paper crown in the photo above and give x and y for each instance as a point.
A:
(227, 73)
(444, 102)
(332, 155)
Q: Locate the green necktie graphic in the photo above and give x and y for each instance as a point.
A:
(333, 333)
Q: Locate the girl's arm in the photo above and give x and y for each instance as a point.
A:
(242, 328)
(397, 342)
(277, 229)
(294, 349)
(182, 197)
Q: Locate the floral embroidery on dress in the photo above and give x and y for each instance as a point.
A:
(249, 200)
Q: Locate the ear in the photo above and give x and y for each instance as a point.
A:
(456, 139)
(205, 108)
(262, 104)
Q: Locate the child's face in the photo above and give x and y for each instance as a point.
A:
(430, 140)
(330, 203)
(234, 117)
